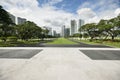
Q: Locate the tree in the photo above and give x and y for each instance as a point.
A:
(76, 35)
(103, 28)
(27, 30)
(38, 32)
(91, 30)
(5, 24)
(85, 35)
(4, 17)
(80, 36)
(44, 33)
(113, 29)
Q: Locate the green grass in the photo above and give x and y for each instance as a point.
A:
(13, 44)
(112, 44)
(61, 41)
(107, 43)
(89, 42)
(6, 44)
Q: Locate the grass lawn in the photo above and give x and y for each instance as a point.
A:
(112, 44)
(61, 41)
(107, 43)
(13, 44)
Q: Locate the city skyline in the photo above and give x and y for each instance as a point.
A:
(65, 30)
(17, 20)
(55, 13)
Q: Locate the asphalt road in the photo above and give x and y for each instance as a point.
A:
(63, 45)
(102, 54)
(75, 45)
(19, 53)
(90, 45)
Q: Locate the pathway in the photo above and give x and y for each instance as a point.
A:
(60, 64)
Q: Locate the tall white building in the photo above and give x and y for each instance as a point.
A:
(20, 20)
(54, 33)
(63, 31)
(80, 23)
(73, 27)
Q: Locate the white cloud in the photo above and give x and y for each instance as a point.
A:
(49, 15)
(46, 15)
(117, 11)
(96, 10)
(86, 13)
(51, 2)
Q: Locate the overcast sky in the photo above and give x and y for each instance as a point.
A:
(55, 13)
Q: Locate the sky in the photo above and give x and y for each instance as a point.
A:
(56, 13)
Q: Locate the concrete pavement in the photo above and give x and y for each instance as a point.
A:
(60, 64)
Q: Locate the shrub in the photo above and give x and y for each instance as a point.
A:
(3, 38)
(12, 39)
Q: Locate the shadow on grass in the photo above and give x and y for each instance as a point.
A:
(23, 43)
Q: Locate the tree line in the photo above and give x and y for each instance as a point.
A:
(101, 30)
(25, 31)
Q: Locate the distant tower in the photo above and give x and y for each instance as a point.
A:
(67, 32)
(20, 20)
(63, 31)
(80, 23)
(73, 27)
(54, 33)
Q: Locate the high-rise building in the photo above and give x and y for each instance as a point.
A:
(80, 23)
(73, 27)
(20, 20)
(54, 33)
(63, 31)
(67, 32)
(12, 18)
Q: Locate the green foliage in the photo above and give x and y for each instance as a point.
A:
(6, 24)
(104, 28)
(3, 38)
(91, 30)
(80, 35)
(77, 35)
(12, 39)
(85, 35)
(4, 17)
(28, 30)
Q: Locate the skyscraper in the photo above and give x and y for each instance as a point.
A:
(54, 33)
(73, 27)
(80, 23)
(67, 32)
(20, 20)
(63, 31)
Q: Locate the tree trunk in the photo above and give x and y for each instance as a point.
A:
(105, 37)
(91, 39)
(113, 38)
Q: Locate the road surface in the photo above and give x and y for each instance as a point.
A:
(60, 64)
